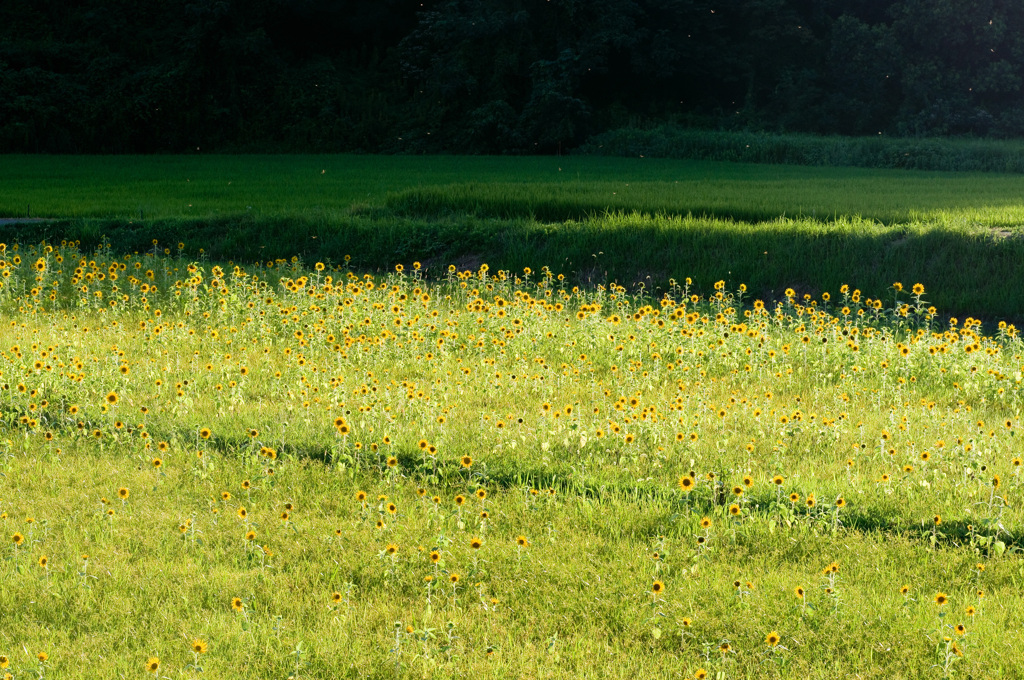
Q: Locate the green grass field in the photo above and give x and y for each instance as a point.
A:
(454, 436)
(597, 220)
(544, 187)
(280, 471)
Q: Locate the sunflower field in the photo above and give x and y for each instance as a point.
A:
(292, 470)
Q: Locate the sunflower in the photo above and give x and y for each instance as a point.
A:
(772, 639)
(459, 500)
(205, 433)
(454, 578)
(799, 592)
(960, 629)
(242, 513)
(686, 483)
(657, 587)
(522, 542)
(392, 461)
(794, 497)
(112, 397)
(840, 502)
(152, 664)
(360, 496)
(43, 561)
(391, 549)
(777, 480)
(904, 590)
(392, 508)
(250, 535)
(18, 538)
(734, 510)
(199, 646)
(467, 461)
(705, 522)
(336, 597)
(435, 556)
(737, 491)
(941, 599)
(157, 463)
(123, 493)
(237, 604)
(476, 543)
(700, 674)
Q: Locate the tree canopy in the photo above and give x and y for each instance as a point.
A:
(495, 76)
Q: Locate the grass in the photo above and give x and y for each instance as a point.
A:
(598, 220)
(972, 270)
(944, 154)
(596, 428)
(549, 189)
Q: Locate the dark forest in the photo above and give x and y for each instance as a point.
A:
(495, 76)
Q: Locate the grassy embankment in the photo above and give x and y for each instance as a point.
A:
(907, 153)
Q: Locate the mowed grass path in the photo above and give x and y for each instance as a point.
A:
(546, 187)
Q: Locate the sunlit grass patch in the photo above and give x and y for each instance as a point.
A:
(309, 470)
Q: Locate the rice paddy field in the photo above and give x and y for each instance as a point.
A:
(215, 466)
(549, 188)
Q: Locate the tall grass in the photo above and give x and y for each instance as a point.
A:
(969, 269)
(667, 141)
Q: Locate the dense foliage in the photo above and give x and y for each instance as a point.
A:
(495, 76)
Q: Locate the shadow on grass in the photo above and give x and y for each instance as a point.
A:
(667, 509)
